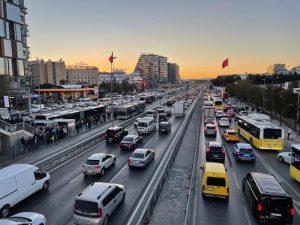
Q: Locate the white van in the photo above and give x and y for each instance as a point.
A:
(152, 113)
(19, 181)
(146, 125)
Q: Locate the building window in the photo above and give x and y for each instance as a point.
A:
(20, 50)
(13, 13)
(3, 68)
(21, 71)
(18, 32)
(7, 48)
(2, 28)
(9, 67)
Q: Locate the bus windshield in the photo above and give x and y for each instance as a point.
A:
(272, 133)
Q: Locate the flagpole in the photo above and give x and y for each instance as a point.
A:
(228, 67)
(111, 95)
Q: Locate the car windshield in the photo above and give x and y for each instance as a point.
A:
(137, 155)
(163, 124)
(142, 124)
(19, 220)
(92, 162)
(215, 181)
(210, 127)
(232, 133)
(86, 207)
(215, 149)
(246, 150)
(129, 139)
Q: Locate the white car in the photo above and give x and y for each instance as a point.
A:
(285, 157)
(219, 114)
(136, 122)
(224, 122)
(98, 164)
(29, 218)
(160, 109)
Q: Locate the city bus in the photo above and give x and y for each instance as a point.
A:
(218, 103)
(260, 133)
(295, 162)
(126, 111)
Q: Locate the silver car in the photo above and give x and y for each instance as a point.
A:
(141, 157)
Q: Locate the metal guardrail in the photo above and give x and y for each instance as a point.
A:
(145, 205)
(76, 149)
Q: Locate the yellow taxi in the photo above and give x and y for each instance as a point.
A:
(231, 135)
(215, 181)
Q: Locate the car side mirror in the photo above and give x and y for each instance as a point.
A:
(201, 167)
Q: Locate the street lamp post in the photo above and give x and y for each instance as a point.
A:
(263, 103)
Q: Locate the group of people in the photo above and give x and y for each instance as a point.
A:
(92, 121)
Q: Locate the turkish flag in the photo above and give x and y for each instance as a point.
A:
(225, 63)
(111, 58)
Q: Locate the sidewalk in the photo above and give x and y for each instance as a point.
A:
(43, 152)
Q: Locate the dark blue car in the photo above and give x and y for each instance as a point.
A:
(243, 152)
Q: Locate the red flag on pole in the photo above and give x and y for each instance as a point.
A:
(225, 63)
(111, 58)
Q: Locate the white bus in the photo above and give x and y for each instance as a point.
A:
(126, 111)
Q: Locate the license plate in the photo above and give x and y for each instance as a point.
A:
(210, 189)
(275, 214)
(85, 221)
(215, 156)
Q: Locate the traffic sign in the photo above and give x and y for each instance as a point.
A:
(6, 101)
(296, 90)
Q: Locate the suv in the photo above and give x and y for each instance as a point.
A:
(163, 117)
(215, 152)
(210, 129)
(267, 198)
(164, 127)
(115, 134)
(97, 202)
(98, 163)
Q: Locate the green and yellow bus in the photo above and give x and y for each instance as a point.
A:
(259, 132)
(295, 162)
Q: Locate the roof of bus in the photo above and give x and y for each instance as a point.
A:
(259, 124)
(296, 146)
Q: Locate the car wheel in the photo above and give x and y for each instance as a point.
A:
(85, 175)
(114, 162)
(102, 172)
(46, 186)
(5, 211)
(123, 198)
(281, 159)
(105, 220)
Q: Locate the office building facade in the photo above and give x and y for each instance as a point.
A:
(153, 68)
(82, 74)
(173, 73)
(277, 69)
(51, 72)
(14, 52)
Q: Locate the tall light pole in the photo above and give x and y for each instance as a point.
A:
(111, 60)
(263, 103)
(297, 91)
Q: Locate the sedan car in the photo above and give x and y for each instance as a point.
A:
(141, 157)
(160, 109)
(224, 122)
(243, 152)
(98, 163)
(219, 114)
(29, 218)
(131, 142)
(231, 135)
(285, 157)
(210, 129)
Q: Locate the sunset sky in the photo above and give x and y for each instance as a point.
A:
(196, 34)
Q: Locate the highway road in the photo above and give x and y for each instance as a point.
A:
(67, 180)
(236, 210)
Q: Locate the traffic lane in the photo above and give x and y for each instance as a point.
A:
(135, 180)
(261, 166)
(67, 182)
(219, 211)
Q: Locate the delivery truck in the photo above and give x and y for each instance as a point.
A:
(209, 113)
(18, 182)
(179, 109)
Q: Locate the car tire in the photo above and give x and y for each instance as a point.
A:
(102, 172)
(5, 211)
(45, 186)
(85, 175)
(123, 198)
(114, 162)
(105, 220)
(281, 159)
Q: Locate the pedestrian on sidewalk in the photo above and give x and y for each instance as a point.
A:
(288, 133)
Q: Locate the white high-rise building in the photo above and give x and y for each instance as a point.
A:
(153, 68)
(277, 69)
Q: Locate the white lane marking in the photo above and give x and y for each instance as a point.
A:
(148, 142)
(76, 178)
(271, 171)
(120, 171)
(298, 204)
(247, 215)
(56, 168)
(235, 181)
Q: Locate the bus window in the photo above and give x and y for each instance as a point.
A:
(272, 133)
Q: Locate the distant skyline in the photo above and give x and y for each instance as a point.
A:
(196, 34)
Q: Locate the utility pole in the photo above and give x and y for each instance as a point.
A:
(263, 103)
(298, 104)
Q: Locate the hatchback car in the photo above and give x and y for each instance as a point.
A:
(98, 163)
(215, 152)
(231, 135)
(210, 129)
(224, 122)
(285, 157)
(164, 127)
(141, 157)
(29, 218)
(131, 142)
(243, 152)
(115, 134)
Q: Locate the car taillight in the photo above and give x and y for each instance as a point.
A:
(97, 167)
(228, 190)
(130, 145)
(292, 211)
(129, 161)
(116, 136)
(205, 129)
(203, 187)
(99, 213)
(259, 207)
(223, 151)
(207, 150)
